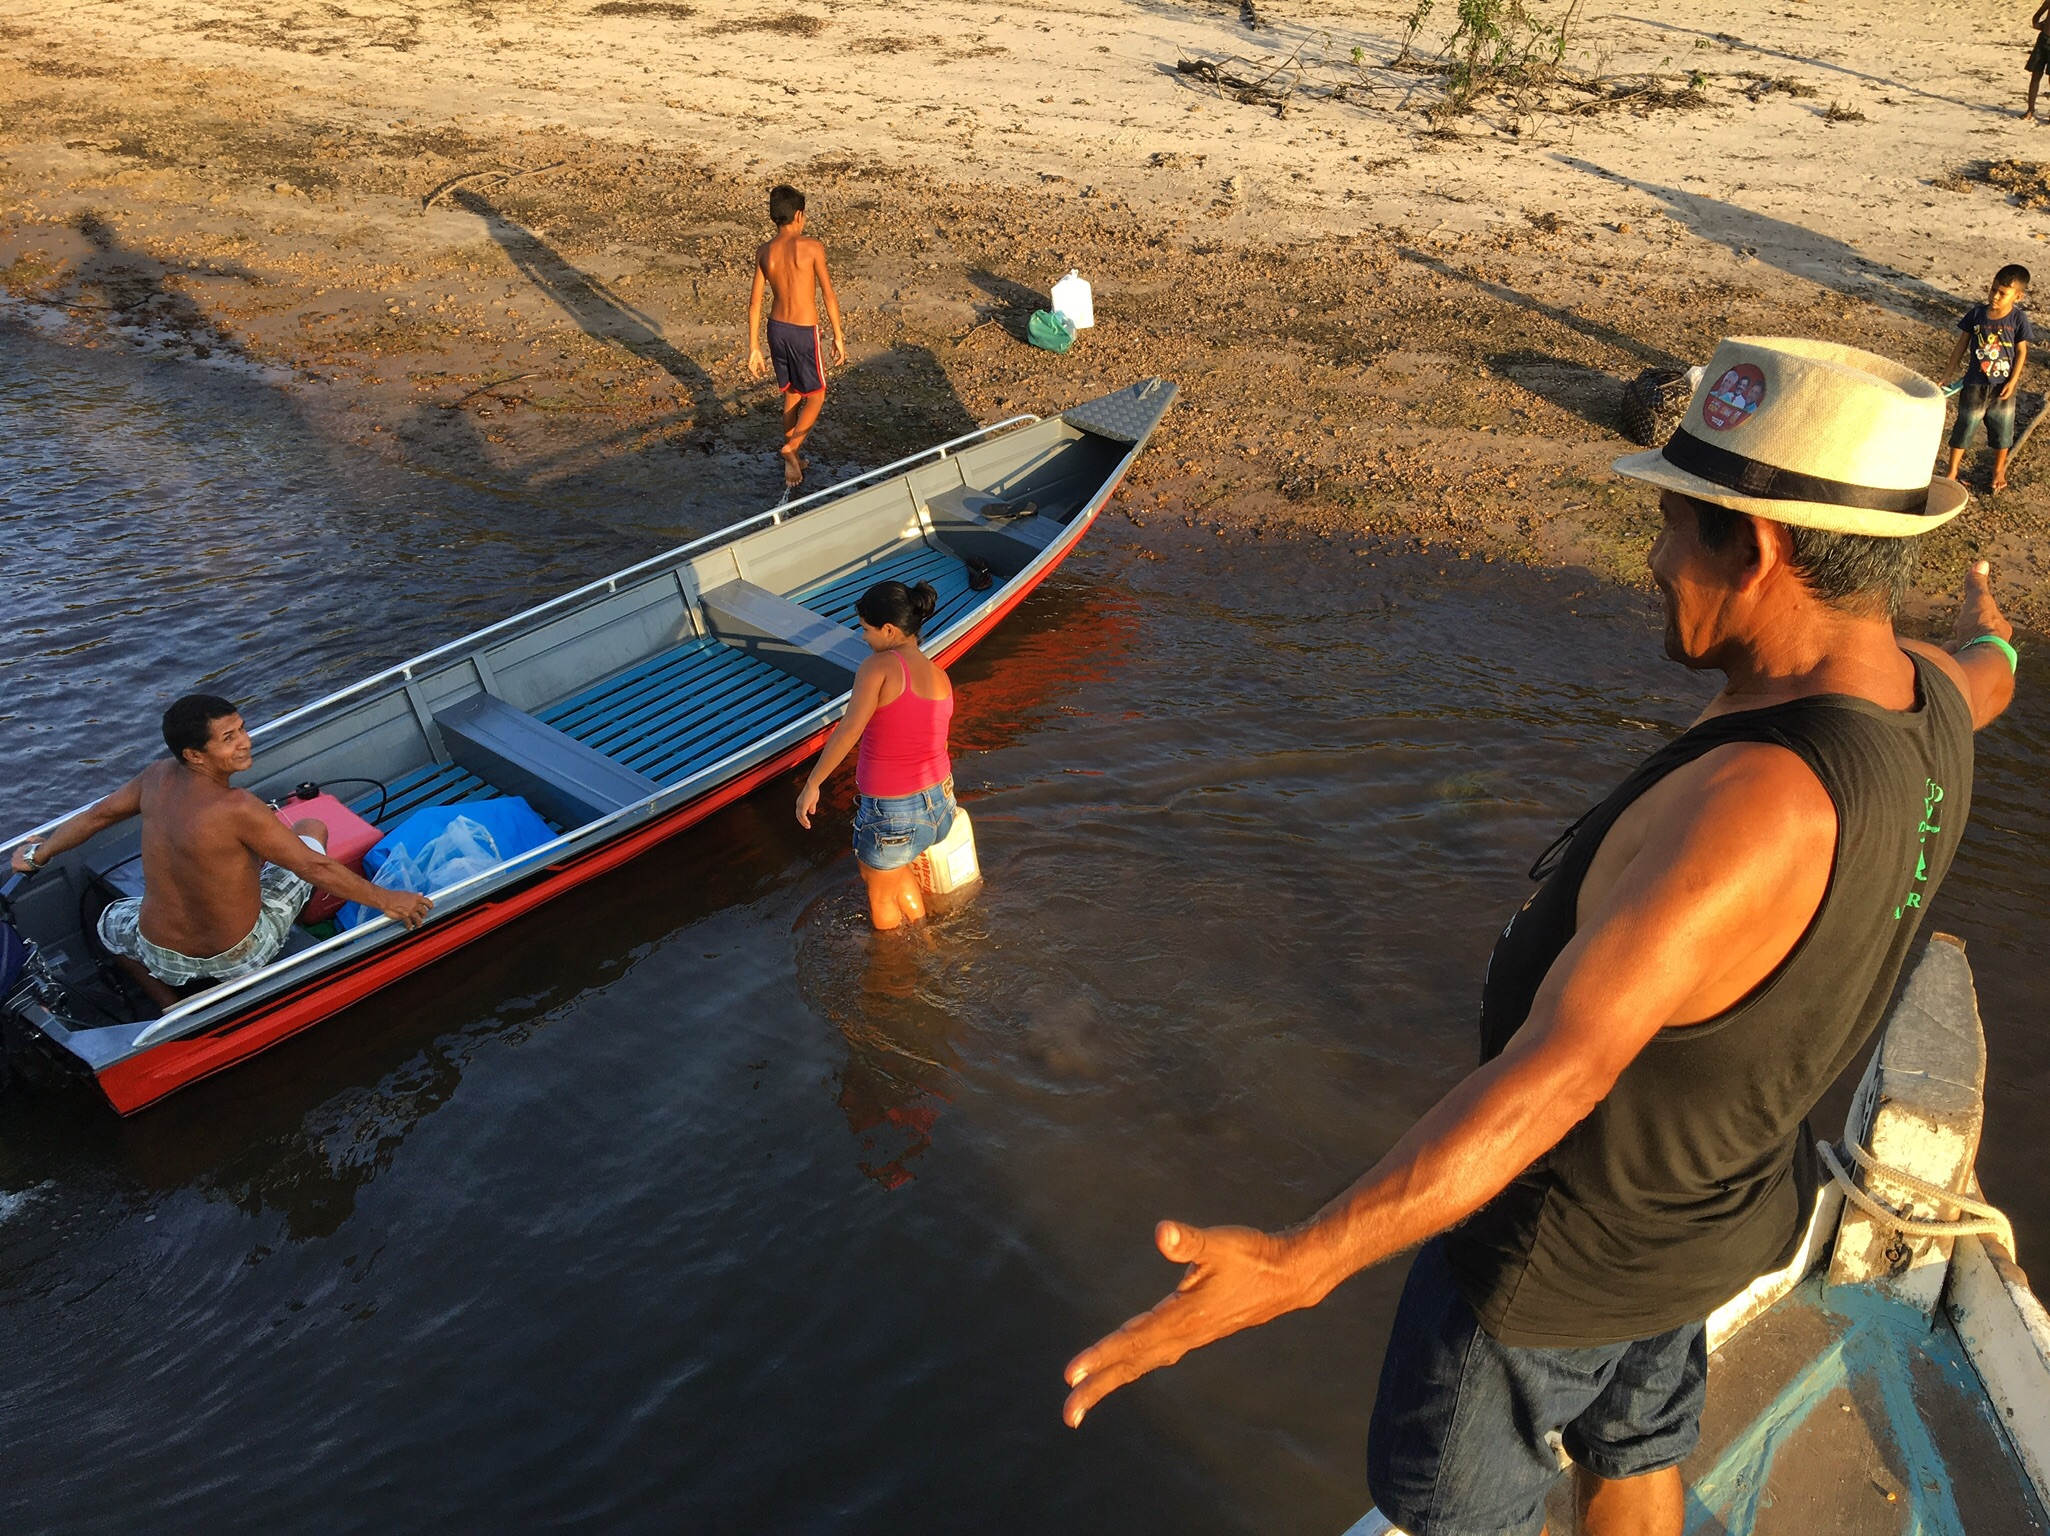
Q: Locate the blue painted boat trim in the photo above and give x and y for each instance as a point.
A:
(1879, 1338)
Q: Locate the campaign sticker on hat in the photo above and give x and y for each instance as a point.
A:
(1739, 392)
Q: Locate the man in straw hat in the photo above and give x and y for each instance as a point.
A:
(1709, 948)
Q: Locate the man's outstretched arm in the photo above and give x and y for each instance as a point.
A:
(1680, 921)
(1982, 672)
(263, 834)
(82, 828)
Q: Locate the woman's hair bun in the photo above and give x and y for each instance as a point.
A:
(891, 602)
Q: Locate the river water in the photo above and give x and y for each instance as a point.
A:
(687, 1204)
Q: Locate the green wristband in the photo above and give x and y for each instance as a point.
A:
(2014, 660)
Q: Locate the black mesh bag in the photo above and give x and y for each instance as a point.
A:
(1654, 404)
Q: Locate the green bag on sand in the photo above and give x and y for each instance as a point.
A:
(1050, 332)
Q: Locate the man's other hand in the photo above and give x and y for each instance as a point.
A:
(408, 907)
(1237, 1278)
(1978, 614)
(757, 365)
(839, 351)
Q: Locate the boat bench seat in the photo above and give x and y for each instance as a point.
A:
(567, 782)
(1007, 544)
(805, 643)
(911, 563)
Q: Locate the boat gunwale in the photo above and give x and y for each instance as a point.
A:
(217, 1005)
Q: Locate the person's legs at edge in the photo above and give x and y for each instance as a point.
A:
(2035, 84)
(894, 896)
(163, 994)
(1654, 1504)
(800, 415)
(2000, 433)
(1972, 408)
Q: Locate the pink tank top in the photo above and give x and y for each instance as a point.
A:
(904, 745)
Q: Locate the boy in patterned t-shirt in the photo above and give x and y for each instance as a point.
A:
(1993, 347)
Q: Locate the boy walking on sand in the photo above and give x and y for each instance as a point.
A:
(795, 267)
(2039, 58)
(1993, 346)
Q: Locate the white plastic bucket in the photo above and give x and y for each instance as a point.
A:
(1073, 301)
(950, 864)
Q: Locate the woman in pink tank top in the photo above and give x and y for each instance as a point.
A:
(899, 712)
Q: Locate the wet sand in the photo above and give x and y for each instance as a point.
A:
(1392, 327)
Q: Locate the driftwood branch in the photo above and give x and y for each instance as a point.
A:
(501, 174)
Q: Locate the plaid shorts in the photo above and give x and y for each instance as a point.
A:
(281, 893)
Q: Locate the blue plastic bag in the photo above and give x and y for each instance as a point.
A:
(437, 847)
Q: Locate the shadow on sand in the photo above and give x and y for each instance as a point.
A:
(1814, 63)
(1792, 248)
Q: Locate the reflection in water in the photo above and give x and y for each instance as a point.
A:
(886, 994)
(890, 994)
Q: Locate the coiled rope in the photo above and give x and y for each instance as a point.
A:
(1983, 1218)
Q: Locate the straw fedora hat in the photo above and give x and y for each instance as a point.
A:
(1810, 433)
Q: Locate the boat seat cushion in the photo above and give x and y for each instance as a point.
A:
(568, 782)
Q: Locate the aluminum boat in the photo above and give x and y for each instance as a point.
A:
(623, 712)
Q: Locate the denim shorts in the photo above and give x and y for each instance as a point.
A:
(1982, 402)
(1458, 1444)
(889, 833)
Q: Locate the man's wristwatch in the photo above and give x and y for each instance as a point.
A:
(28, 855)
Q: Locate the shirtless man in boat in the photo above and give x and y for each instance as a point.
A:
(794, 266)
(1710, 948)
(222, 878)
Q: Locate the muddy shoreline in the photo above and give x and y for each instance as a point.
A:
(580, 326)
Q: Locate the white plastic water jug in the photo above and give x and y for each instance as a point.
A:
(950, 864)
(1073, 301)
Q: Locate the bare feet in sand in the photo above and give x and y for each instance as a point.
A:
(793, 469)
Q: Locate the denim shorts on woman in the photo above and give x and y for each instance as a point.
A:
(1460, 1439)
(890, 833)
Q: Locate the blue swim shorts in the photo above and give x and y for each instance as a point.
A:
(799, 362)
(890, 833)
(1458, 1443)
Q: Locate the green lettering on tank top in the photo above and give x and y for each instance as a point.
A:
(1930, 800)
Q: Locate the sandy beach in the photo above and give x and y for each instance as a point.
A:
(511, 241)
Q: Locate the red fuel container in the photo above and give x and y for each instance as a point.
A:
(349, 837)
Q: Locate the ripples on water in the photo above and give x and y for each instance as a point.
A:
(688, 1204)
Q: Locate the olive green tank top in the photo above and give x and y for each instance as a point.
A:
(1692, 1176)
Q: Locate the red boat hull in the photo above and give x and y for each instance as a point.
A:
(141, 1080)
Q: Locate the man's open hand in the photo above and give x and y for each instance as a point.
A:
(1237, 1278)
(757, 365)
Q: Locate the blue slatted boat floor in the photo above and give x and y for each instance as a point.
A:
(919, 562)
(436, 784)
(698, 702)
(684, 709)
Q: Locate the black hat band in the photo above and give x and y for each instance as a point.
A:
(1768, 482)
